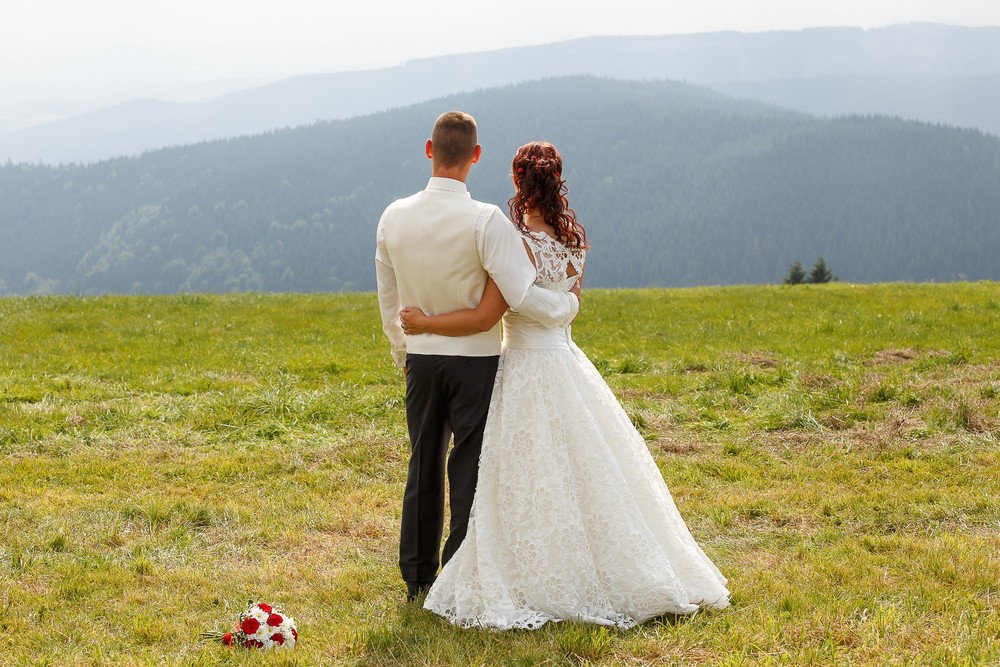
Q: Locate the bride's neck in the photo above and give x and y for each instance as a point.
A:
(536, 223)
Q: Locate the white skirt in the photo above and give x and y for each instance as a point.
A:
(571, 519)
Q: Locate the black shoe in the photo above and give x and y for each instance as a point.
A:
(416, 589)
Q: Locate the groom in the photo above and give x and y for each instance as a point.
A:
(435, 250)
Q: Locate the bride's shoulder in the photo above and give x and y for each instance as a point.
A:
(540, 237)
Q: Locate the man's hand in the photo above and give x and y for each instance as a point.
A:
(413, 321)
(577, 286)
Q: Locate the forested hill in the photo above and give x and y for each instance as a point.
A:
(676, 185)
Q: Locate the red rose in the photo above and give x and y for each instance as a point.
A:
(250, 625)
(227, 639)
(274, 620)
(278, 639)
(266, 608)
(295, 634)
(254, 643)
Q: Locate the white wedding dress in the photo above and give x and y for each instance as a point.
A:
(571, 519)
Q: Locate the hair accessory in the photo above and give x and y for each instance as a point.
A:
(520, 170)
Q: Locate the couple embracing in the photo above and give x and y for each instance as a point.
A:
(558, 510)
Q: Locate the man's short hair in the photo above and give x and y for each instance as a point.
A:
(454, 138)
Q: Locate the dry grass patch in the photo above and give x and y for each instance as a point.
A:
(892, 357)
(757, 359)
(677, 442)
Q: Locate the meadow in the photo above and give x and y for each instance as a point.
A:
(834, 448)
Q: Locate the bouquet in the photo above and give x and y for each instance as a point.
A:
(260, 626)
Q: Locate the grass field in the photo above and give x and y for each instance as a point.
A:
(833, 448)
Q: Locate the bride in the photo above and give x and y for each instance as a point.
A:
(571, 519)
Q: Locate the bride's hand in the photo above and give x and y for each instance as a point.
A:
(413, 321)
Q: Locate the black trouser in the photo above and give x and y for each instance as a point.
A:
(445, 396)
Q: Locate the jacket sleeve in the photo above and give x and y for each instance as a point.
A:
(388, 300)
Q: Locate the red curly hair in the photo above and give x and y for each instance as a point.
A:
(537, 172)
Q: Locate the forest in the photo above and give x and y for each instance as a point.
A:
(676, 186)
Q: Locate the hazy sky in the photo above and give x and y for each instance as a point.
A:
(67, 50)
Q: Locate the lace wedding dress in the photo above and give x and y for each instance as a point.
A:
(571, 519)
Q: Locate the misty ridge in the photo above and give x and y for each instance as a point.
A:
(678, 184)
(935, 73)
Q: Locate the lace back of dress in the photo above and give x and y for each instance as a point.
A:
(553, 261)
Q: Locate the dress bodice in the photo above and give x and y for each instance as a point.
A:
(552, 263)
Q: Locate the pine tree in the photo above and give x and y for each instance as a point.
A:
(796, 274)
(819, 272)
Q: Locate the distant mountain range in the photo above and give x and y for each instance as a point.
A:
(941, 74)
(676, 184)
(961, 101)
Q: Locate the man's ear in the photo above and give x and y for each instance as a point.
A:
(428, 150)
(476, 153)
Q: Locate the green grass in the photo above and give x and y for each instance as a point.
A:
(165, 459)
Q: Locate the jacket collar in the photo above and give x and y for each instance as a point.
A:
(448, 184)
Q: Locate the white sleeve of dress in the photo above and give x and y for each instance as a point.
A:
(504, 257)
